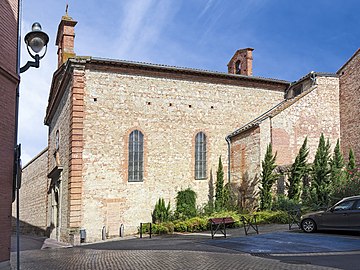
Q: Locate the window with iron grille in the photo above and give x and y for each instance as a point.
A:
(200, 156)
(136, 156)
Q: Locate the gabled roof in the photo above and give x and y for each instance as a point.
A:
(348, 61)
(181, 69)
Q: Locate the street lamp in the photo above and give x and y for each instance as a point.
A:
(35, 40)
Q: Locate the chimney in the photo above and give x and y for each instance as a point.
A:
(241, 62)
(65, 38)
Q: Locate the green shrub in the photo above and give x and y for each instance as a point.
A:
(185, 204)
(197, 224)
(283, 203)
(268, 217)
(348, 187)
(161, 212)
(180, 226)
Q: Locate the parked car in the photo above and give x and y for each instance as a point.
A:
(344, 215)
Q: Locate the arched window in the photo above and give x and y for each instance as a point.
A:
(238, 67)
(136, 156)
(200, 156)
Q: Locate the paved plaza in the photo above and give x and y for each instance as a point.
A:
(273, 248)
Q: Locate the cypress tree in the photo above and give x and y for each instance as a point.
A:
(337, 165)
(321, 172)
(268, 178)
(351, 164)
(219, 188)
(297, 172)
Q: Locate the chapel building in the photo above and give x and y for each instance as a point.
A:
(123, 134)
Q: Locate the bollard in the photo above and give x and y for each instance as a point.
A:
(140, 230)
(121, 230)
(103, 233)
(82, 235)
(150, 229)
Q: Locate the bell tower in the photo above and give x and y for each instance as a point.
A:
(241, 62)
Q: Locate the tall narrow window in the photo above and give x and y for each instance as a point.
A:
(136, 156)
(200, 156)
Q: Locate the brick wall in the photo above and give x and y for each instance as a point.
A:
(350, 106)
(169, 112)
(315, 113)
(245, 166)
(8, 83)
(33, 196)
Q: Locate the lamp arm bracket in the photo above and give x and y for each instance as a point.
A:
(29, 64)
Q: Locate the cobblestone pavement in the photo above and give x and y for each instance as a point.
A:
(84, 259)
(185, 251)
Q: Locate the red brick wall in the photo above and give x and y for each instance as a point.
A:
(8, 83)
(245, 164)
(350, 106)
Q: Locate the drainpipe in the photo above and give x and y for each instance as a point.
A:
(17, 100)
(227, 138)
(59, 208)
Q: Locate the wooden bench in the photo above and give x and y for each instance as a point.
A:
(219, 224)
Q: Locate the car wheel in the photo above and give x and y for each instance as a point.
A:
(308, 225)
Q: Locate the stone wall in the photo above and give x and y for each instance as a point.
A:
(33, 196)
(61, 123)
(315, 113)
(350, 106)
(169, 112)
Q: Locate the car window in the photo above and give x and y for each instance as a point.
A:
(344, 206)
(357, 205)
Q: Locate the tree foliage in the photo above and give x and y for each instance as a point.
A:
(219, 187)
(297, 172)
(185, 204)
(321, 170)
(337, 166)
(351, 165)
(268, 178)
(161, 212)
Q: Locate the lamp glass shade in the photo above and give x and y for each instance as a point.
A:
(36, 44)
(36, 39)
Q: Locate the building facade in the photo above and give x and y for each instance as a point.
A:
(311, 108)
(9, 80)
(349, 75)
(124, 134)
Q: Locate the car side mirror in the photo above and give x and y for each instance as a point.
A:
(331, 209)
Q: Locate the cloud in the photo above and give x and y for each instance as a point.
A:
(206, 8)
(141, 26)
